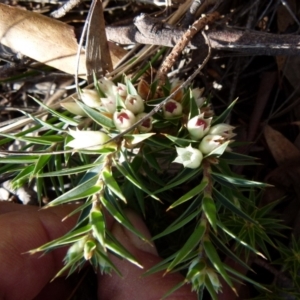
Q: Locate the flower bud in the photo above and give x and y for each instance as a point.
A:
(90, 98)
(172, 109)
(200, 101)
(198, 126)
(197, 92)
(134, 103)
(89, 249)
(76, 249)
(210, 143)
(189, 157)
(121, 89)
(74, 108)
(106, 85)
(214, 279)
(145, 126)
(89, 140)
(197, 273)
(109, 104)
(222, 129)
(123, 119)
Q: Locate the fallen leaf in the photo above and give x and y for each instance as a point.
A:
(281, 148)
(44, 39)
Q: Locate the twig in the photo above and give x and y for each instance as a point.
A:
(64, 9)
(147, 30)
(183, 42)
(190, 14)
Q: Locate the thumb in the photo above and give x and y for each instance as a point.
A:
(132, 285)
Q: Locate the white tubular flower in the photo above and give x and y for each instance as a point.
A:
(89, 140)
(189, 157)
(210, 142)
(123, 119)
(172, 109)
(222, 129)
(197, 92)
(90, 98)
(74, 108)
(109, 104)
(106, 85)
(198, 126)
(121, 89)
(134, 103)
(145, 126)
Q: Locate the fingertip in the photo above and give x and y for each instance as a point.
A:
(133, 285)
(22, 229)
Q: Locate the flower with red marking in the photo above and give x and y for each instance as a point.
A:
(123, 119)
(172, 109)
(222, 129)
(134, 103)
(211, 142)
(109, 104)
(198, 126)
(145, 126)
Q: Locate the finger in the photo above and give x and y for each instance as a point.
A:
(22, 229)
(133, 285)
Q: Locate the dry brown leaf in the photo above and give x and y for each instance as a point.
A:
(281, 148)
(98, 60)
(280, 60)
(43, 39)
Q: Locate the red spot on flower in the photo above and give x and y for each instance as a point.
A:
(201, 122)
(146, 123)
(122, 116)
(170, 106)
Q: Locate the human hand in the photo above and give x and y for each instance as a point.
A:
(24, 276)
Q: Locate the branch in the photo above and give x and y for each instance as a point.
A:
(147, 30)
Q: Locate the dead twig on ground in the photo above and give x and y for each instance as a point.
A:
(147, 30)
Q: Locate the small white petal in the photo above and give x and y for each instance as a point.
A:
(121, 90)
(109, 103)
(223, 129)
(197, 92)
